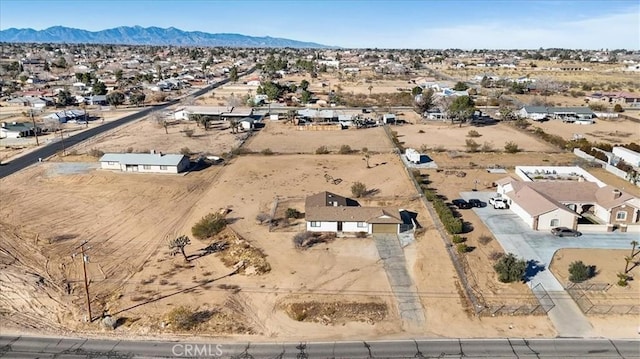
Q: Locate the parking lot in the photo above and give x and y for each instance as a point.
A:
(538, 248)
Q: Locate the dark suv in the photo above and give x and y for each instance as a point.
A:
(474, 202)
(461, 203)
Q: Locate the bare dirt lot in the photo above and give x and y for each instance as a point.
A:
(128, 222)
(145, 135)
(286, 138)
(613, 131)
(454, 137)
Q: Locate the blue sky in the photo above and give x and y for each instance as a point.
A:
(465, 24)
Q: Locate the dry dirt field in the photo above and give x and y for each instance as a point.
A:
(128, 222)
(145, 135)
(452, 137)
(613, 131)
(286, 138)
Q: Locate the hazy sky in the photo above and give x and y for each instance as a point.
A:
(465, 24)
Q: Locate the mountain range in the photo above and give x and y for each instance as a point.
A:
(138, 35)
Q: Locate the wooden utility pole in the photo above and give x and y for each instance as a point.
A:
(85, 259)
(86, 117)
(62, 141)
(35, 129)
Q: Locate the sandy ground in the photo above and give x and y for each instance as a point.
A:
(613, 131)
(286, 138)
(453, 137)
(145, 135)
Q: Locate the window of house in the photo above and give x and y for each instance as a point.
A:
(362, 224)
(163, 168)
(315, 224)
(554, 222)
(621, 216)
(111, 163)
(146, 167)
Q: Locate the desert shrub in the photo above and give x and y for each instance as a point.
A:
(94, 152)
(473, 133)
(452, 224)
(484, 239)
(188, 132)
(424, 148)
(462, 248)
(420, 131)
(358, 189)
(322, 150)
(109, 322)
(618, 108)
(456, 239)
(510, 268)
(292, 213)
(521, 123)
(73, 153)
(184, 318)
(345, 150)
(209, 226)
(430, 195)
(579, 272)
(129, 149)
(495, 255)
(361, 235)
(472, 146)
(597, 106)
(305, 240)
(511, 147)
(185, 151)
(267, 152)
(262, 217)
(486, 147)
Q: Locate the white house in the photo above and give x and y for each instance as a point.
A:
(412, 155)
(627, 155)
(329, 212)
(144, 162)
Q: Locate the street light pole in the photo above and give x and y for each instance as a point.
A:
(85, 259)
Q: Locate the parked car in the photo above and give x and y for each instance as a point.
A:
(461, 203)
(565, 232)
(474, 202)
(499, 202)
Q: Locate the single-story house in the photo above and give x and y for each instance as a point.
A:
(144, 162)
(544, 205)
(329, 212)
(96, 100)
(569, 114)
(17, 130)
(66, 116)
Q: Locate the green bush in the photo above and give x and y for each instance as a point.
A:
(579, 272)
(510, 268)
(292, 213)
(267, 152)
(618, 108)
(452, 224)
(457, 239)
(473, 133)
(209, 226)
(462, 248)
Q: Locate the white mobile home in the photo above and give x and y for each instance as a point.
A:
(144, 162)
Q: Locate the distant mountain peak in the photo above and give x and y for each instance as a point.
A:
(138, 35)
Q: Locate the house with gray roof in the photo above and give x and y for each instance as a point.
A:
(17, 130)
(145, 162)
(329, 212)
(566, 114)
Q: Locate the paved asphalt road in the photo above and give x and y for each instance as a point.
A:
(49, 347)
(50, 149)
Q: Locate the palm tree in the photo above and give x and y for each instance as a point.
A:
(177, 246)
(634, 243)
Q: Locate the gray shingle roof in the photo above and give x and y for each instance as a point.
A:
(143, 159)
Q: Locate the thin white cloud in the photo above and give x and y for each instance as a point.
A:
(613, 31)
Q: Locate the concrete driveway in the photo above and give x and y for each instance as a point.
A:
(516, 237)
